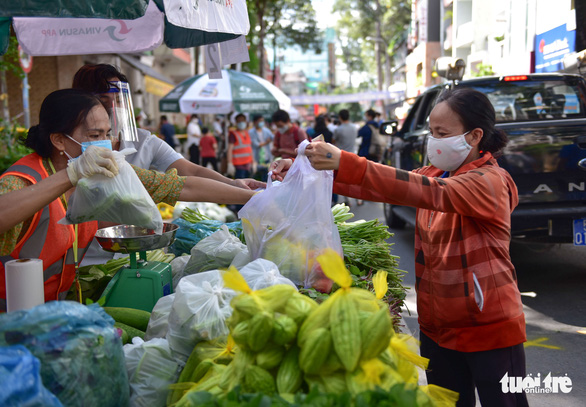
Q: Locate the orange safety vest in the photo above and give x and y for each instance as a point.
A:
(45, 239)
(242, 151)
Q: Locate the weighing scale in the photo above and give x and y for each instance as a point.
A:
(142, 283)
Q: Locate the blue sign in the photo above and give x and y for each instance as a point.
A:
(551, 47)
(580, 232)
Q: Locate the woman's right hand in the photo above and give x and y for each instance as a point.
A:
(280, 168)
(94, 160)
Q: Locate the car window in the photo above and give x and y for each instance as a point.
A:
(533, 100)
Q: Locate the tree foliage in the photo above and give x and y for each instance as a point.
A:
(357, 29)
(284, 23)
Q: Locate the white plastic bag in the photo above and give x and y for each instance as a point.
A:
(199, 312)
(241, 259)
(151, 369)
(122, 199)
(159, 321)
(214, 252)
(292, 223)
(178, 269)
(262, 273)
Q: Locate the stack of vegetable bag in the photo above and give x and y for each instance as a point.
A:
(288, 344)
(194, 226)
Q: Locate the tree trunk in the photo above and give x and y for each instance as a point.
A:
(261, 40)
(377, 47)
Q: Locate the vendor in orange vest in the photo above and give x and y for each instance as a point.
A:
(240, 157)
(35, 190)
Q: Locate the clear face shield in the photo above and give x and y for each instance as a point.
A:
(122, 112)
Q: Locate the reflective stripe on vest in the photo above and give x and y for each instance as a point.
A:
(46, 239)
(242, 150)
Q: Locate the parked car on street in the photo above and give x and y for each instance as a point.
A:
(544, 116)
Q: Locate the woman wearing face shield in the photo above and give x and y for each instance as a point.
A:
(468, 302)
(35, 190)
(152, 152)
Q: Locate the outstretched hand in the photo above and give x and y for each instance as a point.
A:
(94, 160)
(279, 168)
(323, 156)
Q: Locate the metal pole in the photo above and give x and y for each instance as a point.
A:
(25, 102)
(4, 96)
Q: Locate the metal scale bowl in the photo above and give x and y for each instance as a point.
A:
(141, 284)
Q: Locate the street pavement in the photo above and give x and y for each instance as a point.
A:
(552, 280)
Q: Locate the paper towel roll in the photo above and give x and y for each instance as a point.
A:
(24, 284)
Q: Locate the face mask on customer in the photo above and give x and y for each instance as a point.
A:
(283, 129)
(84, 145)
(448, 153)
(241, 125)
(260, 125)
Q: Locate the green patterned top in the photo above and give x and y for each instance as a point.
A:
(161, 187)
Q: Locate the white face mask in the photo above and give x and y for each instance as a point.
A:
(448, 153)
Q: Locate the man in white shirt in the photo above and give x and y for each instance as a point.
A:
(193, 137)
(261, 138)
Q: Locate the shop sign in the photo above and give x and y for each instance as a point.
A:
(551, 47)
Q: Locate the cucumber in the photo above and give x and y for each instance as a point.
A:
(135, 318)
(131, 331)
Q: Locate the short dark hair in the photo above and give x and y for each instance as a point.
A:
(281, 116)
(95, 77)
(344, 114)
(204, 130)
(239, 115)
(62, 112)
(475, 111)
(371, 113)
(257, 117)
(163, 117)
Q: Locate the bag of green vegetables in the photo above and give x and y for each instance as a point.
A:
(121, 199)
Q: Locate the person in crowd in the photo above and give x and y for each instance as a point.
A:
(35, 190)
(193, 138)
(208, 149)
(309, 130)
(152, 152)
(345, 134)
(167, 131)
(321, 128)
(345, 138)
(365, 133)
(287, 137)
(468, 301)
(261, 138)
(330, 122)
(239, 156)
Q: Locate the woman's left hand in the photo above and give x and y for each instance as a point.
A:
(323, 156)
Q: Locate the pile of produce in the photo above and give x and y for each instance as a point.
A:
(130, 322)
(287, 344)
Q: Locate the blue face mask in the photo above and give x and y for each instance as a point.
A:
(260, 125)
(241, 125)
(85, 144)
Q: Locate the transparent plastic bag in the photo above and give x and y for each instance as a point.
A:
(199, 312)
(262, 273)
(291, 223)
(151, 369)
(21, 383)
(177, 269)
(159, 321)
(80, 351)
(121, 199)
(214, 252)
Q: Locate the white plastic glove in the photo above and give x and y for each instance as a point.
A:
(231, 171)
(94, 160)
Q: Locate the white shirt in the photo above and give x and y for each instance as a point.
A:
(193, 134)
(152, 153)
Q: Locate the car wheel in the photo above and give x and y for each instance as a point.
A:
(393, 221)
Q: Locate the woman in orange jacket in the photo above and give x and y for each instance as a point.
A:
(469, 306)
